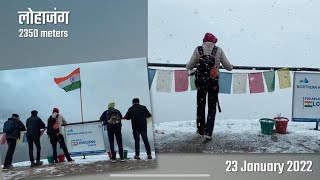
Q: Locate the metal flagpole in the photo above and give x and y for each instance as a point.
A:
(81, 105)
(84, 156)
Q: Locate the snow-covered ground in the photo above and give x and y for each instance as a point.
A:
(236, 136)
(92, 164)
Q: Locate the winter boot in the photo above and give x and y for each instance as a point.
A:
(32, 164)
(208, 137)
(137, 157)
(38, 163)
(7, 168)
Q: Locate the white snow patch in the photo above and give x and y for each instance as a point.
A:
(236, 135)
(89, 159)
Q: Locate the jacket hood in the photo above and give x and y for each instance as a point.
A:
(54, 115)
(12, 118)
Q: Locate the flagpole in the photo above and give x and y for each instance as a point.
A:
(81, 104)
(84, 156)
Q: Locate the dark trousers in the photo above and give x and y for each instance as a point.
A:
(118, 135)
(202, 126)
(36, 141)
(11, 148)
(144, 135)
(54, 140)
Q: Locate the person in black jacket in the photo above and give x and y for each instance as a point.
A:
(12, 140)
(34, 125)
(138, 115)
(112, 119)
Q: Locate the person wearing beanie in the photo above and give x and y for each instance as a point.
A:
(34, 125)
(60, 118)
(211, 88)
(112, 119)
(54, 139)
(138, 115)
(11, 138)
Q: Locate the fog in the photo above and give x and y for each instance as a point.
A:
(251, 33)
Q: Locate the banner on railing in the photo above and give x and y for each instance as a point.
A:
(85, 139)
(306, 97)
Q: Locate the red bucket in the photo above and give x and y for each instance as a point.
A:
(61, 158)
(281, 124)
(109, 153)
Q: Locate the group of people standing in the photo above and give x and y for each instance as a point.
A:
(138, 115)
(13, 127)
(111, 118)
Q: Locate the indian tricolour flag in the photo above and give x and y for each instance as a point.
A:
(70, 82)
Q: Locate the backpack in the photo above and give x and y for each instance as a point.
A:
(8, 127)
(113, 121)
(206, 69)
(53, 126)
(207, 72)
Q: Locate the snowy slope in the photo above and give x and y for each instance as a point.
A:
(236, 136)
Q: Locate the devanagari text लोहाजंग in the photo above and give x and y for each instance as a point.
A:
(43, 17)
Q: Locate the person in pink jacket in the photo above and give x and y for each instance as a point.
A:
(207, 48)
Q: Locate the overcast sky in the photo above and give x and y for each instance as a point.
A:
(252, 33)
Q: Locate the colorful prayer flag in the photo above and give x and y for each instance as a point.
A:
(70, 82)
(225, 80)
(239, 83)
(42, 131)
(256, 83)
(192, 84)
(24, 139)
(21, 136)
(181, 80)
(3, 139)
(284, 78)
(151, 74)
(269, 77)
(149, 120)
(164, 81)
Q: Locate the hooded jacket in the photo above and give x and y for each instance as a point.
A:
(61, 120)
(18, 127)
(207, 49)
